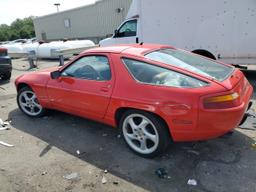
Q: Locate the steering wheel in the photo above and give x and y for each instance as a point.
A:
(88, 72)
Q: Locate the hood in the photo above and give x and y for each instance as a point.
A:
(36, 78)
(105, 42)
(51, 69)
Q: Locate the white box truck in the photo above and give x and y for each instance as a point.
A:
(219, 29)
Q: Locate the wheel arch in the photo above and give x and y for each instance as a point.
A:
(204, 53)
(22, 85)
(120, 111)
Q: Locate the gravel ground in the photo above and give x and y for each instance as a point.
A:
(45, 158)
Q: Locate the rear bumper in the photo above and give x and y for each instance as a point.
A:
(5, 68)
(215, 123)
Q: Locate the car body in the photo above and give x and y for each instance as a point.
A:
(5, 64)
(195, 107)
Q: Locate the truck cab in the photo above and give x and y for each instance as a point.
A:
(127, 33)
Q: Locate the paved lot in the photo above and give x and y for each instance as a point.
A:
(45, 151)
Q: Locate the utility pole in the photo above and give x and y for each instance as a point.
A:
(57, 6)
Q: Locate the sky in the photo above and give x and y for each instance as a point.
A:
(10, 10)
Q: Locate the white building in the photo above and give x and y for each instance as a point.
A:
(94, 21)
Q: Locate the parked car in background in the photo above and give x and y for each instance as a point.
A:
(39, 49)
(153, 93)
(5, 65)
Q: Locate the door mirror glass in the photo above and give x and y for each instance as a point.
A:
(55, 74)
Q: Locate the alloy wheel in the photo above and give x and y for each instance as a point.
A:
(29, 103)
(140, 133)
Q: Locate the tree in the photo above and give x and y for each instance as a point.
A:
(19, 29)
(4, 32)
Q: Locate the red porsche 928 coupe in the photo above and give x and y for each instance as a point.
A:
(153, 93)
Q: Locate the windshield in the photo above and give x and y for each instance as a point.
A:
(191, 62)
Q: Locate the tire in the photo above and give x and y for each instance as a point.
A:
(204, 53)
(28, 103)
(7, 76)
(144, 133)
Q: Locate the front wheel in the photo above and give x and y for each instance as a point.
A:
(28, 103)
(144, 133)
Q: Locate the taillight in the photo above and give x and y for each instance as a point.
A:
(222, 101)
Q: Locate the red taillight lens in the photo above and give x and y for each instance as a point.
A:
(222, 101)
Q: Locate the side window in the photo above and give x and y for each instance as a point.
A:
(156, 75)
(128, 29)
(89, 67)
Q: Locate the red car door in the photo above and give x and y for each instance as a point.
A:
(84, 87)
(59, 93)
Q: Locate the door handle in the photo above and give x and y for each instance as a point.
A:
(105, 88)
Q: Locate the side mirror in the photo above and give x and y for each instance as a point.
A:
(116, 33)
(55, 74)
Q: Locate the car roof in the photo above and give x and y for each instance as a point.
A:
(131, 49)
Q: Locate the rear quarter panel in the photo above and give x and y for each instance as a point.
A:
(177, 106)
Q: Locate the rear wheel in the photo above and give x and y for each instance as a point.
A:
(144, 133)
(7, 76)
(28, 103)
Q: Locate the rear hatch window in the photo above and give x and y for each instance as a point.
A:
(192, 62)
